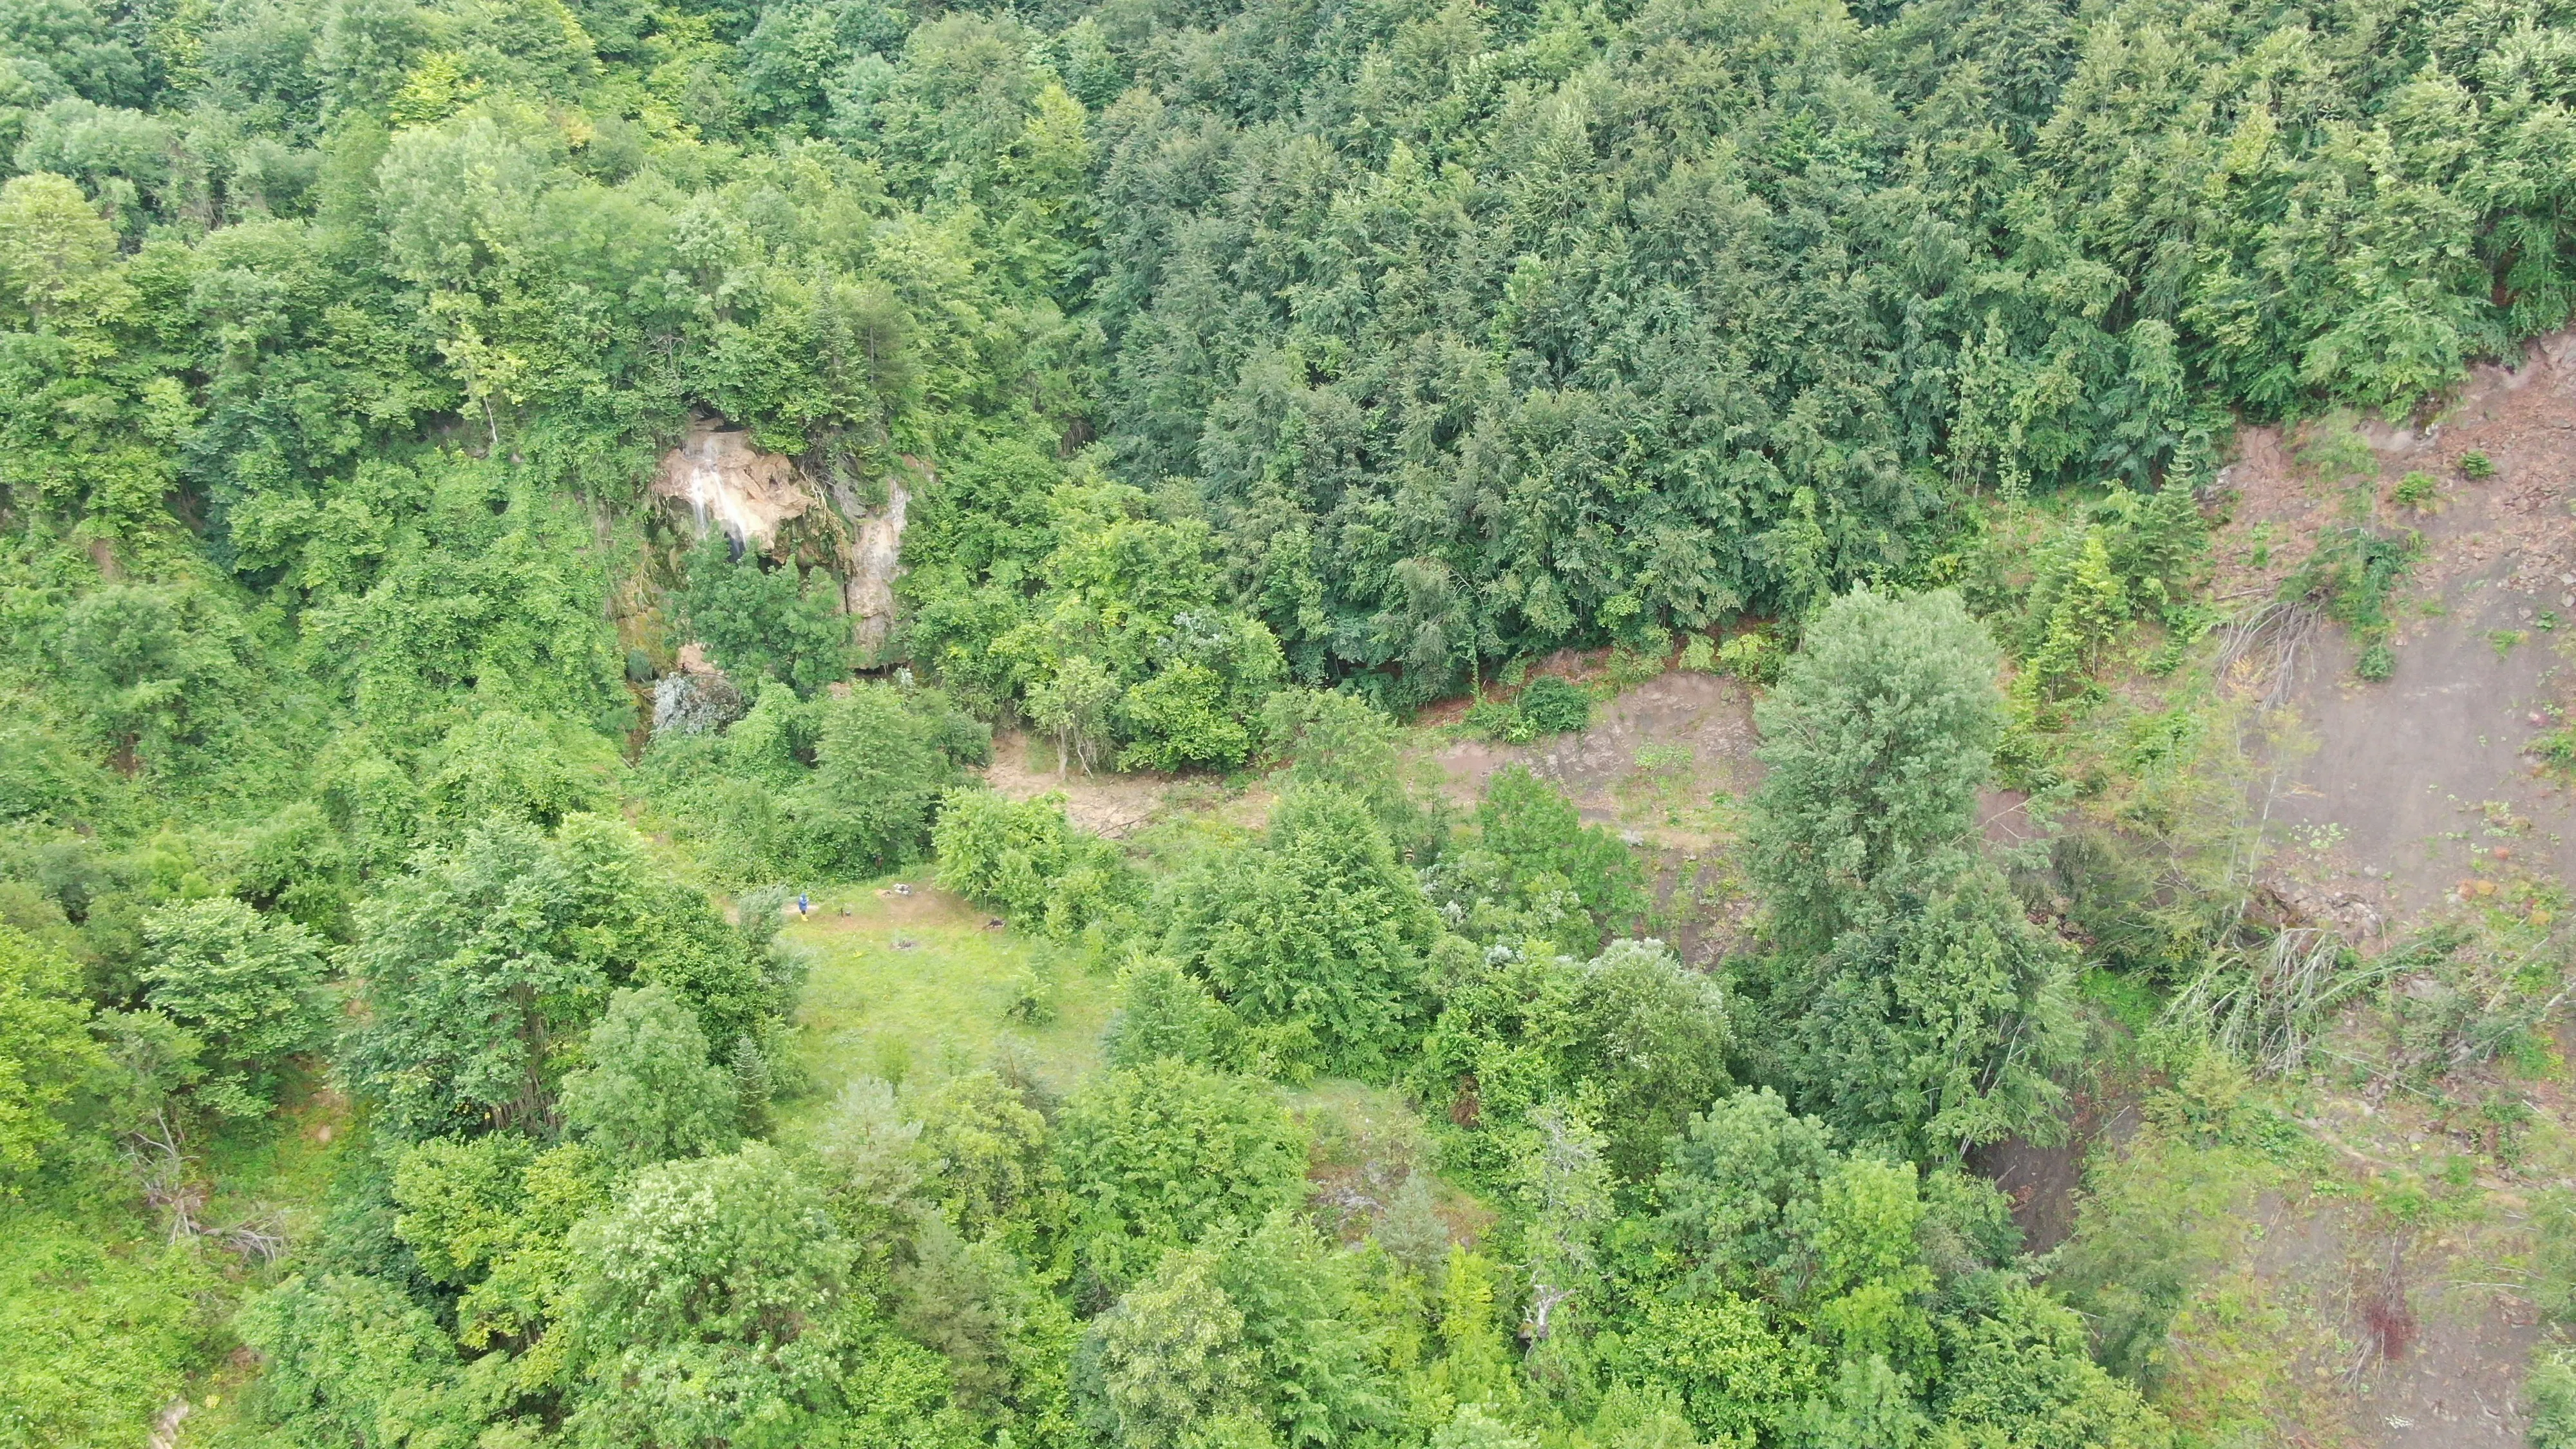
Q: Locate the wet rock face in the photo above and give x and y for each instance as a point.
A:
(871, 555)
(726, 483)
(694, 703)
(718, 480)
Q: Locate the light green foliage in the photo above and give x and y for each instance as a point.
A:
(1024, 858)
(249, 985)
(150, 669)
(488, 1217)
(1550, 705)
(501, 762)
(1317, 924)
(1172, 1357)
(1739, 1189)
(101, 1333)
(646, 1091)
(2077, 609)
(2018, 1372)
(1651, 1047)
(45, 1047)
(1844, 1298)
(1544, 847)
(1095, 597)
(1156, 1154)
(1342, 743)
(1211, 349)
(1475, 1428)
(1254, 1326)
(2417, 492)
(2552, 1389)
(1877, 739)
(1076, 704)
(351, 1360)
(1634, 1033)
(987, 1151)
(871, 1148)
(1752, 657)
(1563, 1182)
(729, 1270)
(1165, 1012)
(484, 961)
(829, 788)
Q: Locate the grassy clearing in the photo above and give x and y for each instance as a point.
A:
(923, 984)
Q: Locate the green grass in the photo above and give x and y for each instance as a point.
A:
(919, 985)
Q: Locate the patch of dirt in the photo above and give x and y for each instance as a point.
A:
(1110, 804)
(2433, 1361)
(2411, 783)
(2045, 1184)
(1650, 762)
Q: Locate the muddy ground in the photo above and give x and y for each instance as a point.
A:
(2411, 786)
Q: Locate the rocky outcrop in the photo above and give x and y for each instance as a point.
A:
(716, 479)
(726, 483)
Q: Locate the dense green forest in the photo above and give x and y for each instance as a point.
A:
(401, 951)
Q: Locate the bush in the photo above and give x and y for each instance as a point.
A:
(1025, 859)
(758, 620)
(1555, 706)
(1753, 658)
(2476, 465)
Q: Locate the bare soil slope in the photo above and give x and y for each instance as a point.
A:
(2422, 782)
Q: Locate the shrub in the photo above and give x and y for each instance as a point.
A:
(1555, 706)
(1753, 658)
(2417, 493)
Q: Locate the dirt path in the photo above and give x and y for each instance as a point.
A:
(1113, 805)
(1667, 761)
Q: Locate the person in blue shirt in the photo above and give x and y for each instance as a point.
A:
(803, 906)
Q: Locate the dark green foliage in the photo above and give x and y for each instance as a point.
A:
(1550, 705)
(1879, 736)
(1931, 1027)
(761, 621)
(1317, 925)
(1553, 705)
(2350, 577)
